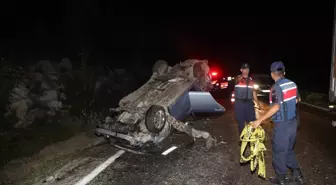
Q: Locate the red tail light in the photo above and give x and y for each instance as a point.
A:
(214, 73)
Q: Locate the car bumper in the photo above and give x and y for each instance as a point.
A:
(263, 92)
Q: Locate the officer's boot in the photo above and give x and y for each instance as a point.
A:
(278, 180)
(297, 176)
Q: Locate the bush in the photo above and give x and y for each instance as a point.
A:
(318, 99)
(47, 90)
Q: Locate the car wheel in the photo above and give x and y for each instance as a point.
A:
(156, 119)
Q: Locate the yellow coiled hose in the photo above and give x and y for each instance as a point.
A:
(256, 138)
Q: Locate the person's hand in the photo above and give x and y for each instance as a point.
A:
(255, 123)
(257, 106)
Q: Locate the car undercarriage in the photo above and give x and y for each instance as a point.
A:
(148, 115)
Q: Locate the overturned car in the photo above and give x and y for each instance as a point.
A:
(148, 115)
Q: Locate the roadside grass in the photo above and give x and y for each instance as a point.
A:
(318, 99)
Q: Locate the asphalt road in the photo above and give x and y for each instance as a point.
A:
(192, 164)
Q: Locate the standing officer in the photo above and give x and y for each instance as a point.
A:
(283, 100)
(244, 96)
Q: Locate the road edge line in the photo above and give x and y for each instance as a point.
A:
(315, 106)
(100, 168)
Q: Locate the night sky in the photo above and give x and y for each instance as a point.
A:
(130, 35)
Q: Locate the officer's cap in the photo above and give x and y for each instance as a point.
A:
(245, 66)
(277, 66)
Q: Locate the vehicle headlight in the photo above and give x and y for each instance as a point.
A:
(331, 106)
(256, 86)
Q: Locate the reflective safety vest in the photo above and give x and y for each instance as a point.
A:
(244, 89)
(287, 101)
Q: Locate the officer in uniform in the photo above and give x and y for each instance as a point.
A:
(244, 96)
(283, 100)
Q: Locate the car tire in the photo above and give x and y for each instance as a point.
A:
(160, 67)
(156, 119)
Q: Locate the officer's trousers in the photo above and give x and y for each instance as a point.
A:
(283, 141)
(244, 112)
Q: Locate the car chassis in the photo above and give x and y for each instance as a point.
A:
(148, 115)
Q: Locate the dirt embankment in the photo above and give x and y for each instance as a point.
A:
(46, 165)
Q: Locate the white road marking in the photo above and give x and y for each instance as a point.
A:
(169, 150)
(100, 168)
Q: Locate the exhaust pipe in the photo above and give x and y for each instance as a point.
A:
(114, 134)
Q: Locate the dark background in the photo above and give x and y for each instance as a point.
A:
(135, 35)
